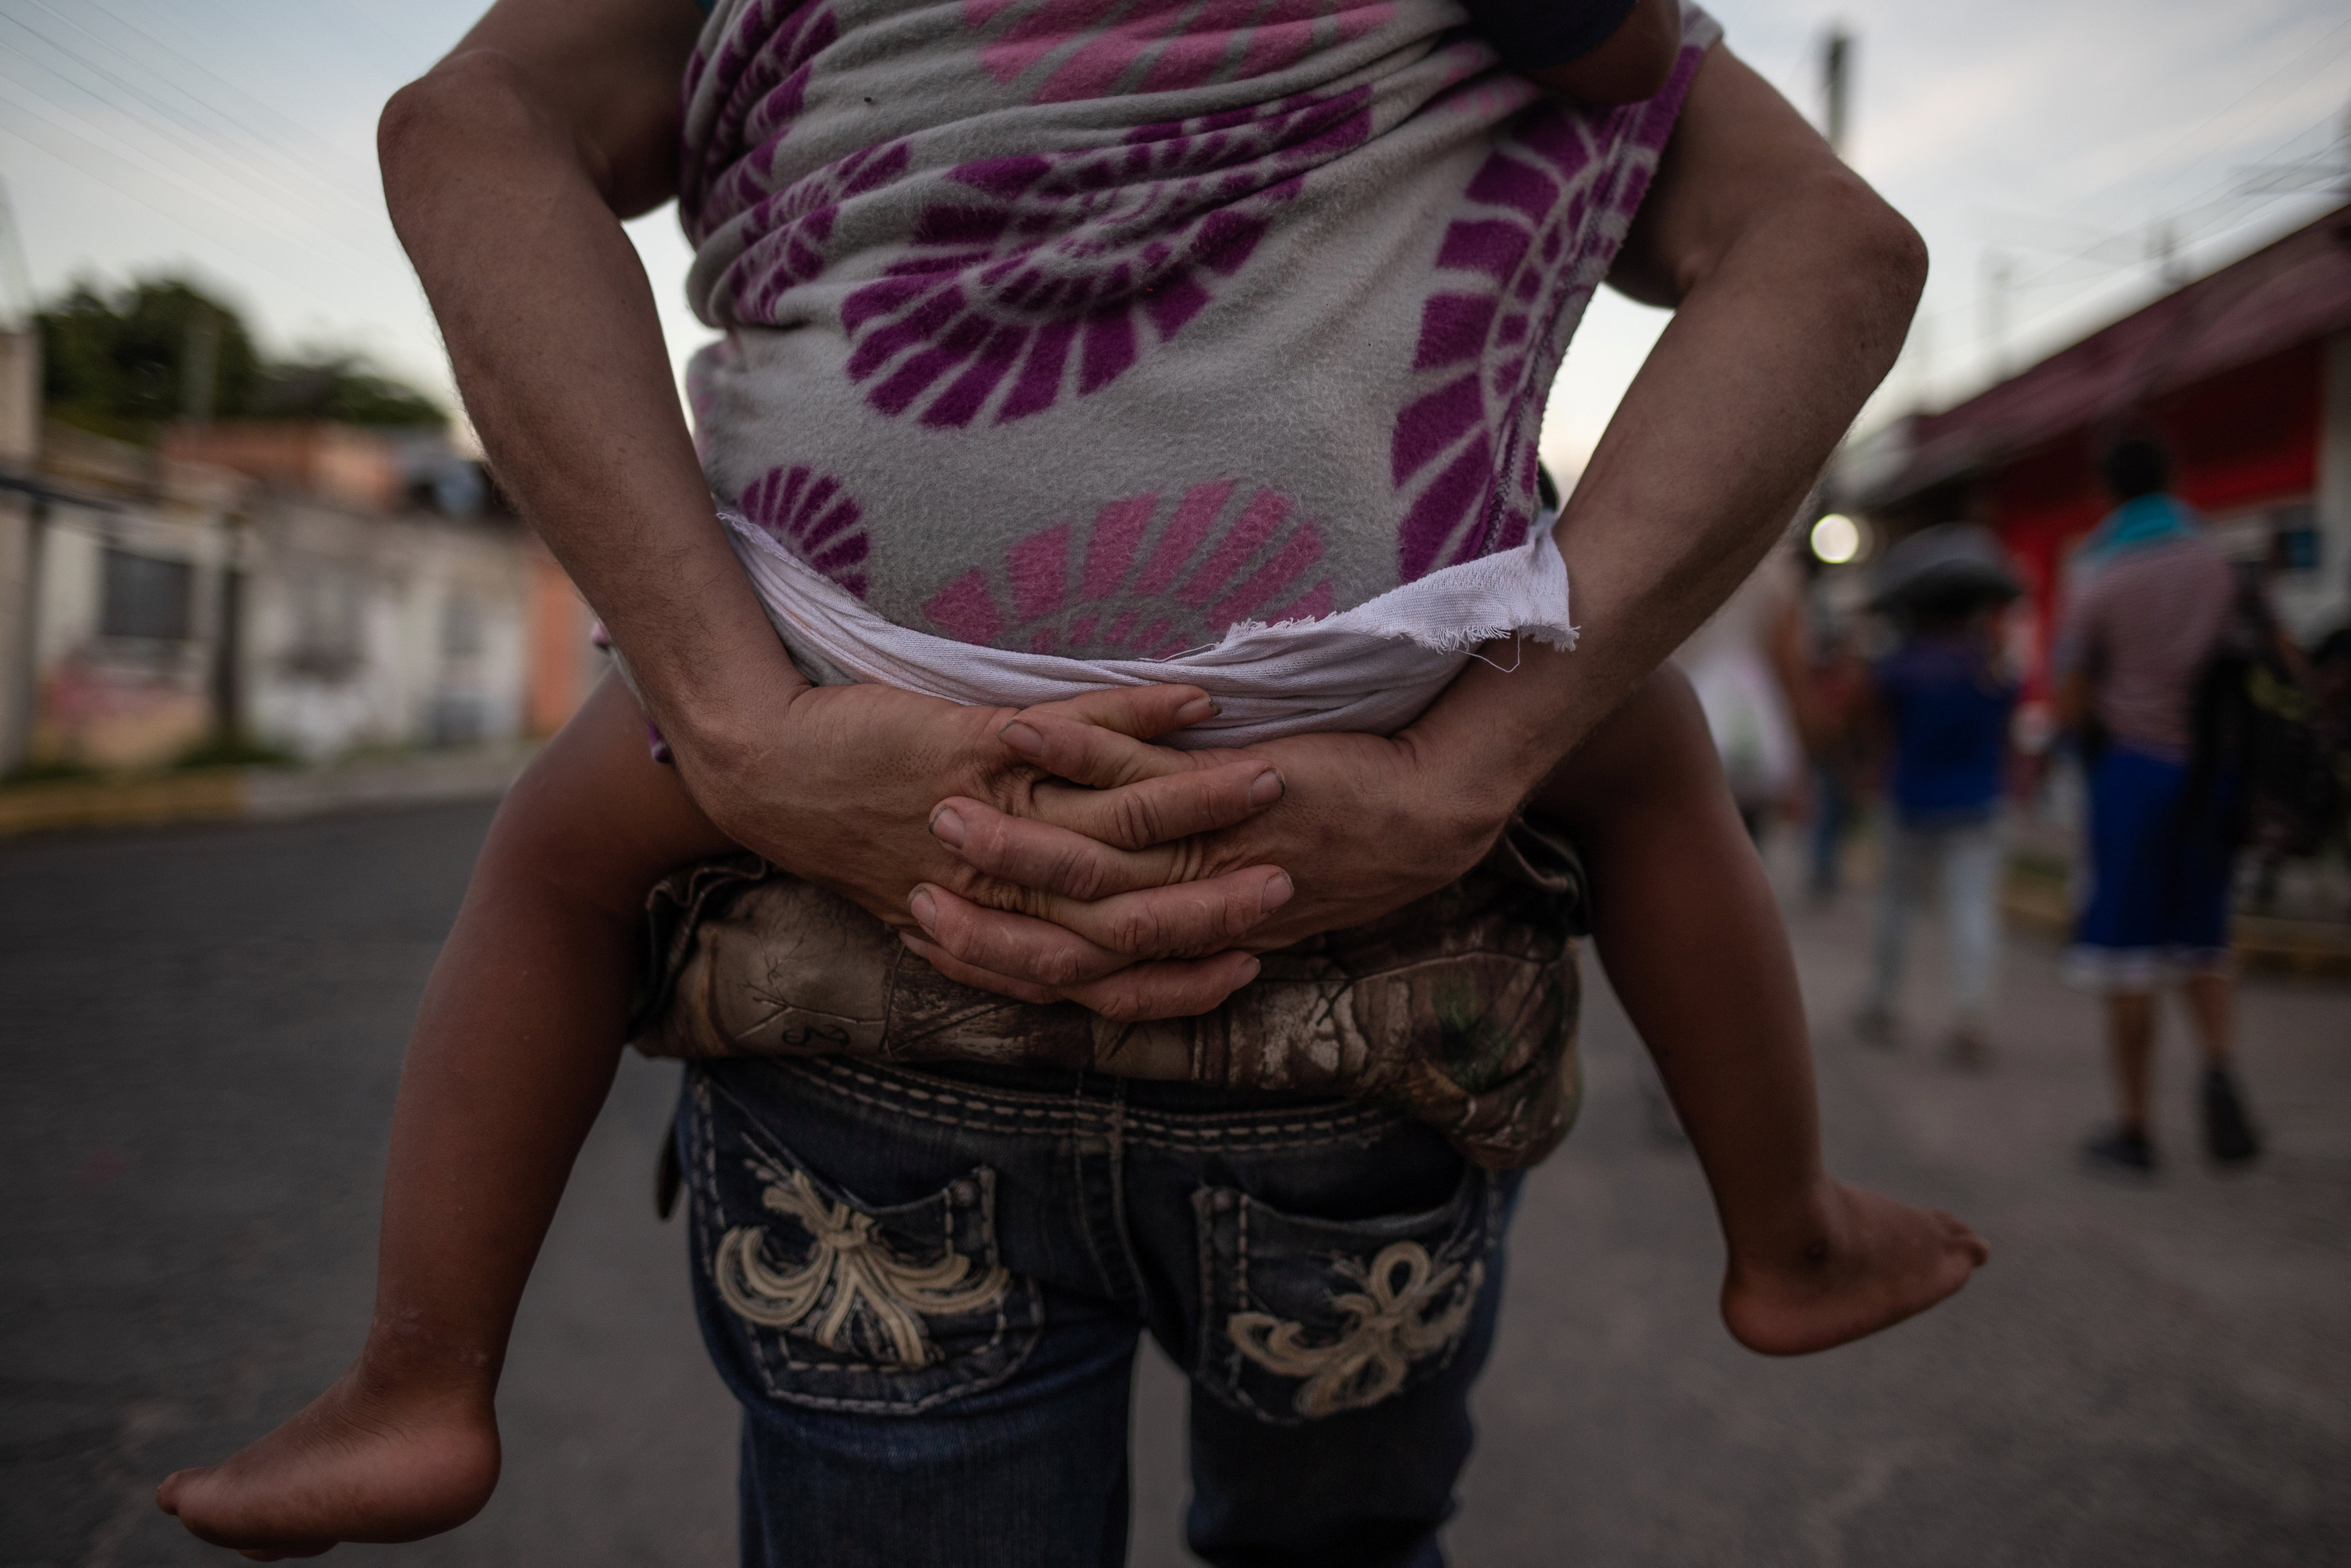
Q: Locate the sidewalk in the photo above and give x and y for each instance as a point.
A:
(261, 794)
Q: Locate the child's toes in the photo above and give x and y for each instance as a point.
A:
(1963, 1237)
(167, 1496)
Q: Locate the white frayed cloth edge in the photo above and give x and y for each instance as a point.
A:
(1371, 668)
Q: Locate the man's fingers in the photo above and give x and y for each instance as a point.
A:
(1116, 823)
(1162, 810)
(1068, 746)
(1076, 940)
(1151, 903)
(1186, 919)
(1045, 957)
(1044, 858)
(1178, 989)
(962, 973)
(1145, 713)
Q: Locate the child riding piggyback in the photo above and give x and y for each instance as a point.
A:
(1194, 350)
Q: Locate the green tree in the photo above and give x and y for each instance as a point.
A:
(121, 365)
(343, 389)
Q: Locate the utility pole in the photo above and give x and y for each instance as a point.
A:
(2163, 249)
(24, 500)
(1998, 272)
(199, 367)
(2329, 173)
(1836, 70)
(199, 375)
(19, 277)
(40, 496)
(24, 705)
(1922, 362)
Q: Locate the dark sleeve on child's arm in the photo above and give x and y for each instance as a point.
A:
(1536, 34)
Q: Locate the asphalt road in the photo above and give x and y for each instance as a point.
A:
(200, 1034)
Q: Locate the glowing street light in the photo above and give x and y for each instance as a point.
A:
(1837, 539)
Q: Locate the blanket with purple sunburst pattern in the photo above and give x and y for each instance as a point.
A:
(1093, 327)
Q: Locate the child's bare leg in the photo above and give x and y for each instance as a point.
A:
(515, 1047)
(1693, 943)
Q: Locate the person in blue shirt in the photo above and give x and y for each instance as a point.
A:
(1942, 706)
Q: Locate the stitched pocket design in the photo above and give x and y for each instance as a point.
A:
(854, 1292)
(837, 1304)
(1306, 1318)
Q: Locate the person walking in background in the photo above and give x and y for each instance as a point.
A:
(2330, 686)
(1941, 706)
(1747, 665)
(2152, 609)
(1839, 689)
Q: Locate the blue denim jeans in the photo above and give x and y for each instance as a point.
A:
(926, 1292)
(1970, 858)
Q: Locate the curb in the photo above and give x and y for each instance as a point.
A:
(259, 795)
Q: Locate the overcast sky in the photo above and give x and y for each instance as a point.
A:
(2048, 137)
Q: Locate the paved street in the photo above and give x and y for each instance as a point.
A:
(202, 1031)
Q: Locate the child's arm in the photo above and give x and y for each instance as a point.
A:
(1692, 941)
(515, 1047)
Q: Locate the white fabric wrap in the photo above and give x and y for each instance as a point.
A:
(1373, 669)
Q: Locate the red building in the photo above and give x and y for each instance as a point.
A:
(2245, 373)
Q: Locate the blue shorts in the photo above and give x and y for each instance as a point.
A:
(2158, 899)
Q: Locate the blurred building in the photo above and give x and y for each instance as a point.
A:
(2246, 374)
(307, 587)
(20, 430)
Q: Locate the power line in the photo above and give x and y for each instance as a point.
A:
(130, 115)
(234, 149)
(2301, 56)
(164, 156)
(2219, 207)
(170, 180)
(65, 154)
(2312, 64)
(2205, 201)
(364, 169)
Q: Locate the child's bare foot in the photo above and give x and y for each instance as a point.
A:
(354, 1465)
(1868, 1263)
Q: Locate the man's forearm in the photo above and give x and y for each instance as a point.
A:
(558, 350)
(1769, 354)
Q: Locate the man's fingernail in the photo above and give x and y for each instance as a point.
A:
(1250, 970)
(1197, 709)
(1266, 789)
(1022, 738)
(1276, 894)
(925, 907)
(947, 828)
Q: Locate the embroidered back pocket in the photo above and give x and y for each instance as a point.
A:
(1305, 1318)
(832, 1303)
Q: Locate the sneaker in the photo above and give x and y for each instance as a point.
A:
(2122, 1149)
(2228, 1138)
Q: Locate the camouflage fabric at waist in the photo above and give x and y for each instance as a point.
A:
(1459, 1009)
